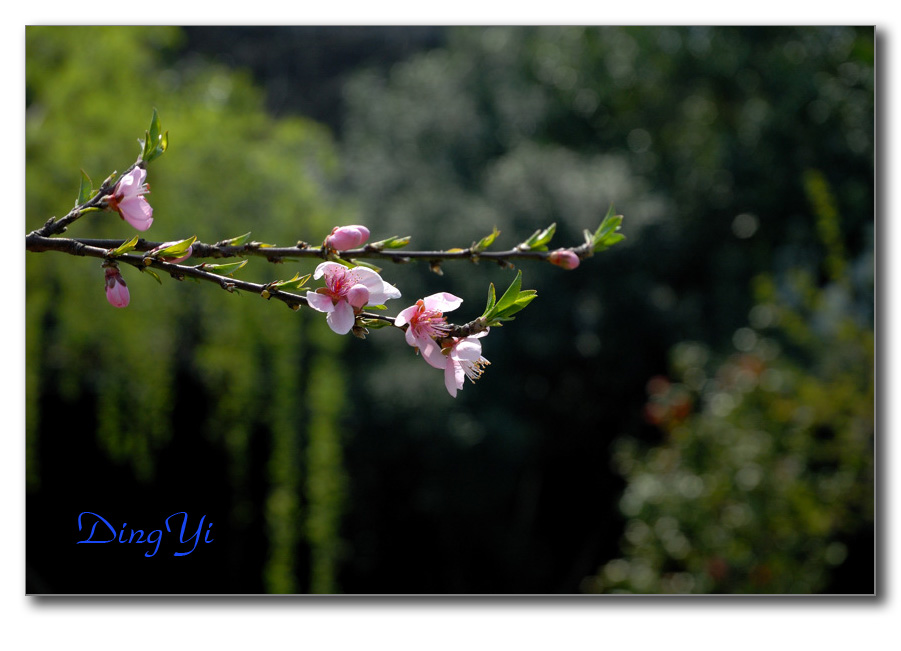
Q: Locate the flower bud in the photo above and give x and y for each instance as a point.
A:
(358, 296)
(347, 237)
(116, 290)
(564, 258)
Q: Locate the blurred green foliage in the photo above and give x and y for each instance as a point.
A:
(184, 362)
(767, 469)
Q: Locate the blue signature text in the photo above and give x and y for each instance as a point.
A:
(101, 531)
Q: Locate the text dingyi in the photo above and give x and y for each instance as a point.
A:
(99, 530)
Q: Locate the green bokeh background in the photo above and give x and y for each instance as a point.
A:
(691, 411)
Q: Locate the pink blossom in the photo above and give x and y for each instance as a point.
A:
(128, 200)
(347, 237)
(425, 323)
(463, 359)
(346, 292)
(116, 290)
(564, 258)
(172, 260)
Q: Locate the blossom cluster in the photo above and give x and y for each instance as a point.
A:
(348, 291)
(427, 331)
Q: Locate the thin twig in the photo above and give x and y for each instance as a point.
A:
(54, 226)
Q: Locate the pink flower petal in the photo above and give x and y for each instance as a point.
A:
(431, 353)
(467, 350)
(327, 268)
(341, 319)
(453, 378)
(405, 316)
(442, 302)
(379, 290)
(131, 184)
(137, 212)
(410, 336)
(320, 302)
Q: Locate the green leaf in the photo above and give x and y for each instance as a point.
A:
(226, 269)
(124, 248)
(609, 241)
(491, 300)
(486, 241)
(377, 307)
(393, 242)
(155, 127)
(85, 190)
(368, 265)
(155, 142)
(513, 300)
(295, 283)
(155, 275)
(374, 324)
(539, 239)
(235, 241)
(397, 242)
(176, 250)
(606, 235)
(160, 149)
(608, 227)
(525, 298)
(512, 293)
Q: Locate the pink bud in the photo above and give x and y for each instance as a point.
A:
(358, 296)
(564, 258)
(116, 290)
(347, 237)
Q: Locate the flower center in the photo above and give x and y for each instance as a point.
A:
(428, 323)
(338, 284)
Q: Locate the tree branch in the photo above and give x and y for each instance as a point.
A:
(38, 243)
(277, 254)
